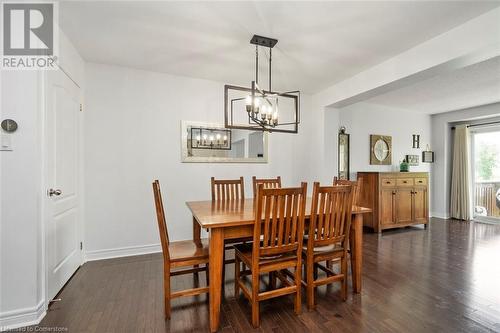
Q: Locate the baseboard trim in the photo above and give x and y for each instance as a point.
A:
(439, 215)
(122, 252)
(22, 317)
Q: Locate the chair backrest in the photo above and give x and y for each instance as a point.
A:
(227, 189)
(160, 216)
(331, 211)
(358, 186)
(268, 183)
(279, 219)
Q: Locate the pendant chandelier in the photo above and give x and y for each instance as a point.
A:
(257, 109)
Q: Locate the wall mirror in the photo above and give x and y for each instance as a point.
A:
(343, 152)
(212, 143)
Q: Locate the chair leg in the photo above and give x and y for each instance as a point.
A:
(255, 300)
(223, 269)
(310, 283)
(343, 264)
(236, 276)
(315, 271)
(298, 283)
(166, 291)
(272, 280)
(329, 264)
(207, 274)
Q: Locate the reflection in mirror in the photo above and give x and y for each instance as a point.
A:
(202, 142)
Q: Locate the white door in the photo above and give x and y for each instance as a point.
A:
(63, 236)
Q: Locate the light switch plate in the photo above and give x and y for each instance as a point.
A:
(5, 142)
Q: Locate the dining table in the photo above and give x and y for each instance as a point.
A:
(234, 219)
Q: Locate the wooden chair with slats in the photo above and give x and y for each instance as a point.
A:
(327, 237)
(177, 255)
(358, 187)
(277, 246)
(225, 192)
(356, 199)
(267, 182)
(228, 189)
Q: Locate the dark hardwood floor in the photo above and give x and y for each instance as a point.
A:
(443, 279)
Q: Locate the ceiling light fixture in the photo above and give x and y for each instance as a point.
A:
(258, 109)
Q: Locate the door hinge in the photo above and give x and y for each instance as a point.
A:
(81, 107)
(81, 246)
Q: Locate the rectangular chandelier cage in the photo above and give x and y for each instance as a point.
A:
(253, 108)
(210, 138)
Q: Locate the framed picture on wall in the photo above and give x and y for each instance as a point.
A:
(412, 160)
(380, 149)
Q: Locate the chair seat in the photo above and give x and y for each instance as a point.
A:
(244, 251)
(326, 248)
(188, 250)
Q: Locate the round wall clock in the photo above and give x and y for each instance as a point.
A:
(9, 125)
(380, 149)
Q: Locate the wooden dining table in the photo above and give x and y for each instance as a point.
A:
(235, 219)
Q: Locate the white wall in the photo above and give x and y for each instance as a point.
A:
(22, 192)
(441, 144)
(363, 119)
(132, 136)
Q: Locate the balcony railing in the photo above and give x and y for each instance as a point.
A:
(487, 199)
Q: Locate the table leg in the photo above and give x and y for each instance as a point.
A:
(356, 240)
(216, 240)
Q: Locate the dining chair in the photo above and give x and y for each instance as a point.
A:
(225, 191)
(178, 254)
(327, 237)
(268, 183)
(277, 245)
(228, 189)
(358, 187)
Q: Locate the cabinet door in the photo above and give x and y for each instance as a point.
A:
(420, 204)
(404, 205)
(387, 197)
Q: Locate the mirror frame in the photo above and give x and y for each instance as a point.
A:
(191, 159)
(343, 174)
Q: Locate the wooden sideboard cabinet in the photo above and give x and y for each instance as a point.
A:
(398, 199)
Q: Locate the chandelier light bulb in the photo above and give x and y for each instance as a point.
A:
(256, 105)
(248, 102)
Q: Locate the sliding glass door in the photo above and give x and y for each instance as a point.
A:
(485, 164)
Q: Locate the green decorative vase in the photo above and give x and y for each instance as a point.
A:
(404, 166)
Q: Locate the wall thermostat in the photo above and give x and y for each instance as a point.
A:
(9, 125)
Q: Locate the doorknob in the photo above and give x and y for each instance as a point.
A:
(53, 192)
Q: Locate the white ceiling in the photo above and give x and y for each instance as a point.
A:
(470, 86)
(320, 43)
